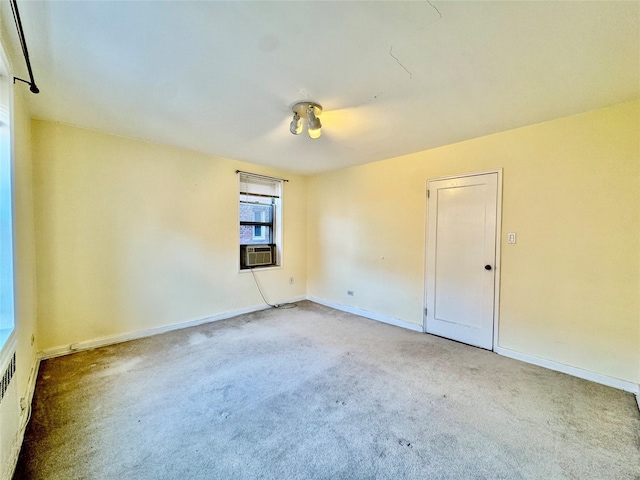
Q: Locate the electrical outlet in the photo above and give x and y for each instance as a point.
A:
(511, 237)
(350, 293)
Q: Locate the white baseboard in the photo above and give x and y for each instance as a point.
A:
(125, 337)
(364, 313)
(574, 371)
(31, 390)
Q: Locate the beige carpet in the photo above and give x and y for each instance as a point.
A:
(313, 393)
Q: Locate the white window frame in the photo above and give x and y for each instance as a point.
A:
(277, 221)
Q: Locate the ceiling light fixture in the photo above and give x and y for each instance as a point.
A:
(311, 111)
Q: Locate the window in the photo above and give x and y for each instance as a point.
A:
(260, 221)
(6, 213)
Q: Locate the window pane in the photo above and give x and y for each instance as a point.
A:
(6, 224)
(250, 212)
(255, 235)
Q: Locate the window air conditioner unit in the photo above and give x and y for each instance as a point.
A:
(255, 256)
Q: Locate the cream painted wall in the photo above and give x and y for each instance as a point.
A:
(132, 236)
(571, 191)
(24, 246)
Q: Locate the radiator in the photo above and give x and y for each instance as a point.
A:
(9, 418)
(7, 376)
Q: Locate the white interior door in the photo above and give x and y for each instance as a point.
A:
(461, 258)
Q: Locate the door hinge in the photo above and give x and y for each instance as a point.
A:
(426, 311)
(428, 193)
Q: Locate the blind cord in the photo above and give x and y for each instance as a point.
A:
(275, 305)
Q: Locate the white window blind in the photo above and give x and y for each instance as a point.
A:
(259, 186)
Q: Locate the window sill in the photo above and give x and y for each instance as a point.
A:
(260, 269)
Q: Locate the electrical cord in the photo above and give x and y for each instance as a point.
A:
(275, 305)
(26, 422)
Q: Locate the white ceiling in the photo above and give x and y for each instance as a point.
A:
(393, 77)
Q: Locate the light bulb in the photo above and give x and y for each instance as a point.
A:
(315, 132)
(296, 125)
(314, 124)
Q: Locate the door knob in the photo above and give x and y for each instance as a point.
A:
(487, 267)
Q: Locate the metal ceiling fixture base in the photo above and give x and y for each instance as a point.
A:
(301, 108)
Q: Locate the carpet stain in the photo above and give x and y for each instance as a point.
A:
(197, 339)
(119, 367)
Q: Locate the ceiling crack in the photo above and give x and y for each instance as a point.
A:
(435, 8)
(399, 63)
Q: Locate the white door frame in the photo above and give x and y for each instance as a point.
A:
(498, 269)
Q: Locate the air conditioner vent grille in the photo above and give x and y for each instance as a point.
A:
(262, 255)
